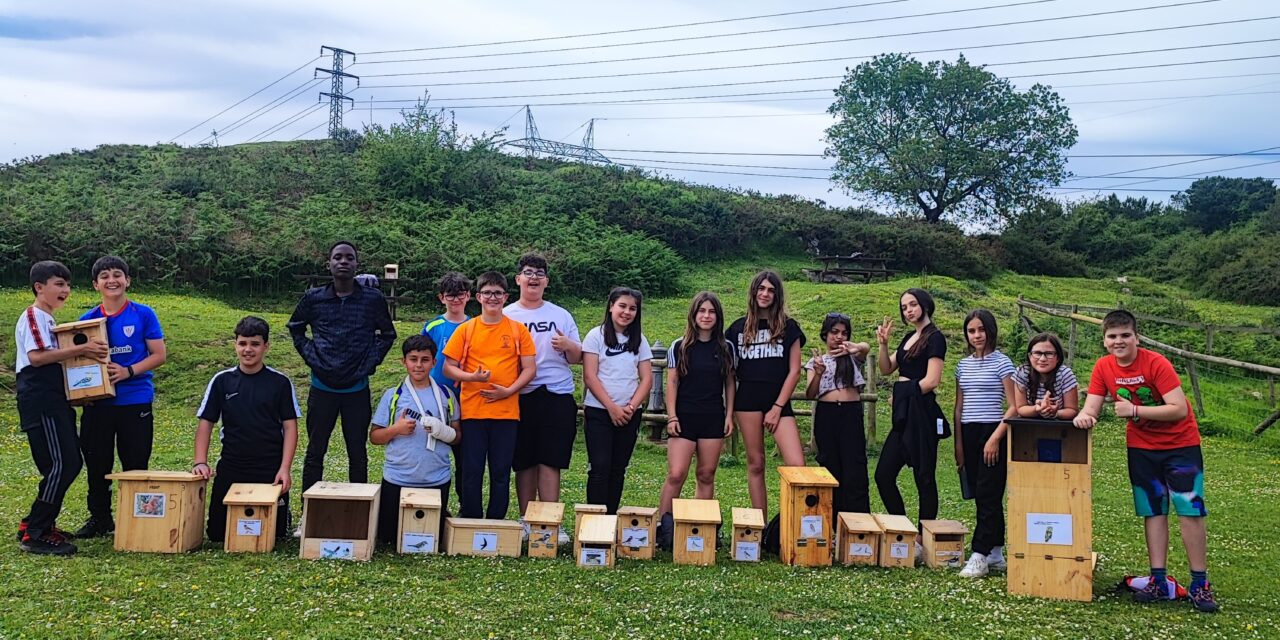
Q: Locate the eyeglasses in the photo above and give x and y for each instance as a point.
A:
(535, 274)
(1044, 355)
(454, 297)
(492, 295)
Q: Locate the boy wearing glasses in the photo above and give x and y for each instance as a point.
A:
(493, 357)
(1165, 462)
(548, 412)
(454, 294)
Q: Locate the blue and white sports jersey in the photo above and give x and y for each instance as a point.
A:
(127, 333)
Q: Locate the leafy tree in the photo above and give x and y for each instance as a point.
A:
(1218, 202)
(951, 139)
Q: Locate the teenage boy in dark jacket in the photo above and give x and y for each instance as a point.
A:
(351, 332)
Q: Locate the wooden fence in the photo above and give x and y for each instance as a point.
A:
(1074, 315)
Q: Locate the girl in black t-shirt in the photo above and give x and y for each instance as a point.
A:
(918, 421)
(768, 347)
(700, 387)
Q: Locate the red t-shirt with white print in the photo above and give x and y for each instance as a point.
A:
(1145, 382)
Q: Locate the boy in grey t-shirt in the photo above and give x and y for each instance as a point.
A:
(417, 421)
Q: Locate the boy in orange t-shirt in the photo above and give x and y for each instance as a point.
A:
(493, 357)
(1165, 462)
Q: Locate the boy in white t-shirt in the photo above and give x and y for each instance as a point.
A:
(548, 412)
(44, 415)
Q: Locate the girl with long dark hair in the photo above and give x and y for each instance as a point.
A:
(835, 381)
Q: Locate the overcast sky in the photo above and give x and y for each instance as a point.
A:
(82, 74)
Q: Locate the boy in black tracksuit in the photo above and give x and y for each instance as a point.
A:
(351, 332)
(258, 409)
(43, 412)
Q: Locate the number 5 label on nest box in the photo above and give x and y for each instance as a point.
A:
(693, 544)
(484, 542)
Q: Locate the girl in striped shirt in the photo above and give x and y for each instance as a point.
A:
(984, 382)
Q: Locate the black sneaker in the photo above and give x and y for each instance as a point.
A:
(49, 544)
(1202, 598)
(95, 526)
(666, 531)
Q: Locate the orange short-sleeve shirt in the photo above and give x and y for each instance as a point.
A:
(498, 348)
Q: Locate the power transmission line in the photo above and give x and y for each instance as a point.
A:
(1210, 156)
(245, 99)
(267, 108)
(731, 35)
(306, 111)
(789, 45)
(638, 29)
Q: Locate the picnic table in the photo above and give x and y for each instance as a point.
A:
(845, 269)
(388, 287)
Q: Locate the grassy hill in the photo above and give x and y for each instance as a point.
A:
(208, 593)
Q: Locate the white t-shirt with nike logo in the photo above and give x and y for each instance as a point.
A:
(618, 371)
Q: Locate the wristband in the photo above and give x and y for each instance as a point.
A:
(672, 419)
(199, 463)
(779, 406)
(131, 373)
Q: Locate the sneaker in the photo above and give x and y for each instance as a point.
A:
(94, 527)
(1202, 598)
(666, 531)
(22, 529)
(297, 533)
(996, 561)
(49, 544)
(563, 538)
(524, 531)
(976, 567)
(1153, 591)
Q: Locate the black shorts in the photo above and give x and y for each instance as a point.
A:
(547, 429)
(701, 426)
(759, 396)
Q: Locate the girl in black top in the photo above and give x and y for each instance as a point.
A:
(768, 350)
(700, 385)
(918, 421)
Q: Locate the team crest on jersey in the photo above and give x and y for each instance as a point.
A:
(128, 331)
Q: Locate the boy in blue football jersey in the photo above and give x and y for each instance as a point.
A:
(125, 422)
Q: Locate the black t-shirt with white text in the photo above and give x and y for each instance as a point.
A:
(764, 360)
(252, 408)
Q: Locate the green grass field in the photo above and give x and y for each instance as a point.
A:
(101, 593)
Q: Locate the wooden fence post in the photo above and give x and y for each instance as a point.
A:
(872, 371)
(1208, 339)
(1195, 388)
(1271, 384)
(1071, 348)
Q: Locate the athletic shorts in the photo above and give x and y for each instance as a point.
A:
(1172, 474)
(759, 396)
(548, 426)
(701, 426)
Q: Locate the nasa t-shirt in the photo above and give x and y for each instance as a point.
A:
(544, 323)
(128, 331)
(619, 369)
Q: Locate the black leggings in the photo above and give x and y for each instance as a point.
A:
(894, 455)
(987, 483)
(609, 451)
(842, 448)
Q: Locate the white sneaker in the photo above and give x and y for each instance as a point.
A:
(996, 561)
(563, 538)
(524, 533)
(297, 533)
(976, 567)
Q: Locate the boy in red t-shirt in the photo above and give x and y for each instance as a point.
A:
(1165, 462)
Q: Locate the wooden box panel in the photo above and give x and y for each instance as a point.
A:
(251, 518)
(580, 510)
(418, 527)
(594, 545)
(486, 538)
(943, 542)
(339, 521)
(897, 542)
(544, 520)
(1059, 578)
(858, 539)
(748, 531)
(159, 511)
(806, 521)
(637, 528)
(85, 378)
(694, 540)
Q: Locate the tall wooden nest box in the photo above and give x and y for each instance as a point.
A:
(748, 532)
(86, 378)
(1050, 540)
(636, 530)
(544, 520)
(594, 544)
(251, 517)
(339, 521)
(897, 542)
(943, 543)
(486, 538)
(419, 525)
(159, 511)
(696, 521)
(805, 525)
(858, 539)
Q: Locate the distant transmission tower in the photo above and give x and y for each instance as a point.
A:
(533, 143)
(335, 94)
